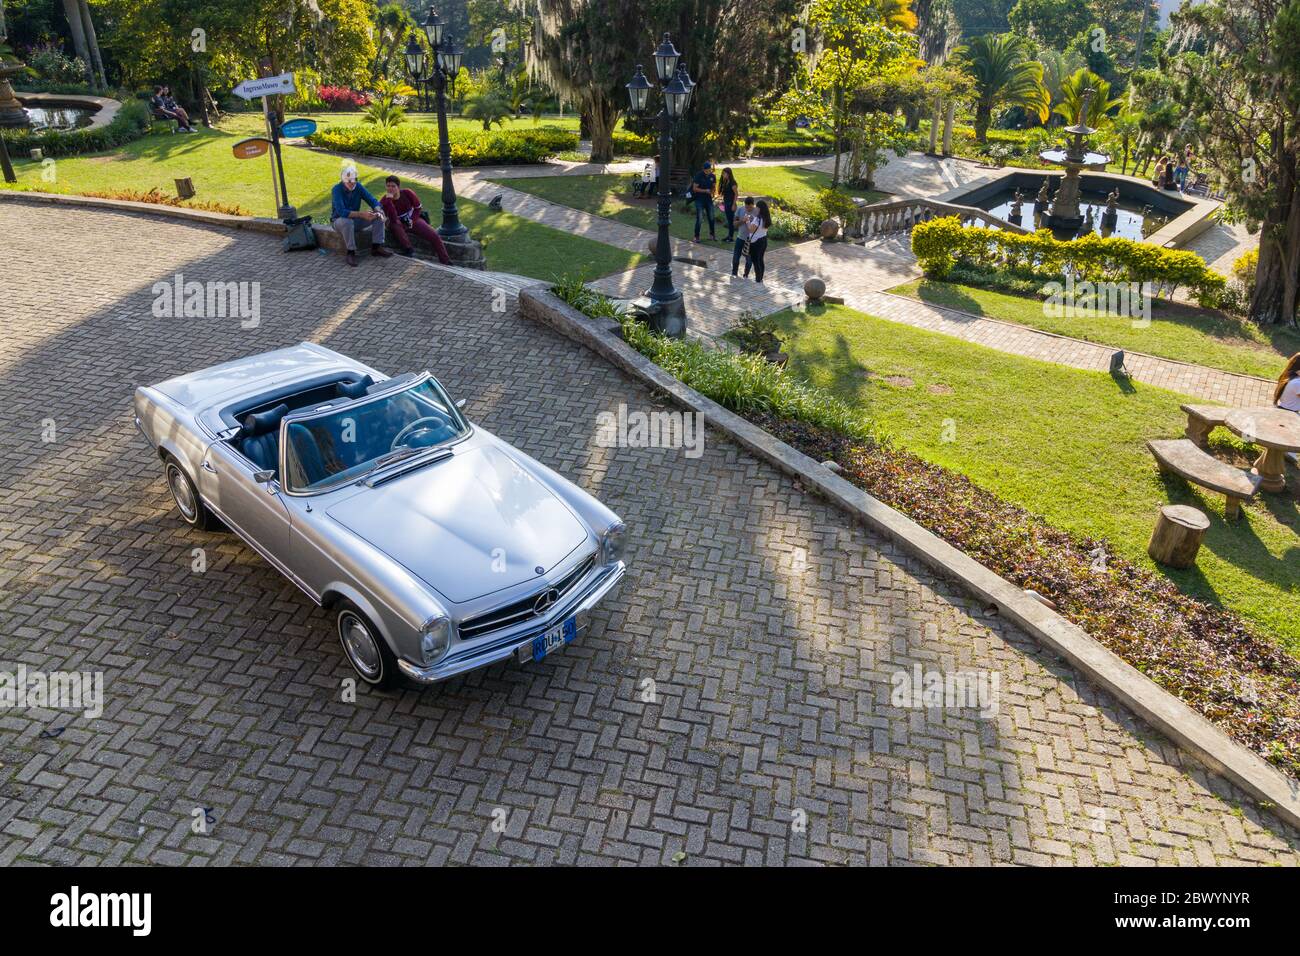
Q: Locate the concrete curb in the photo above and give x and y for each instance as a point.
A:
(1186, 728)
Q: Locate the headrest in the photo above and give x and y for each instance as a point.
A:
(264, 422)
(354, 389)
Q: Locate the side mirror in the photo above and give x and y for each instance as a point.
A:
(460, 404)
(263, 476)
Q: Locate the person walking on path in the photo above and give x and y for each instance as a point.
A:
(758, 225)
(402, 207)
(703, 188)
(727, 189)
(346, 211)
(743, 215)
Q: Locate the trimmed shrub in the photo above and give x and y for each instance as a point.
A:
(942, 243)
(131, 122)
(419, 144)
(630, 144)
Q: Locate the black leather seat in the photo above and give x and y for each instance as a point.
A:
(259, 440)
(354, 389)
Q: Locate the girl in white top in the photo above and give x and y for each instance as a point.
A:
(1287, 393)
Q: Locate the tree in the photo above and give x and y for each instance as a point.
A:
(858, 42)
(586, 50)
(1004, 76)
(1100, 106)
(1057, 68)
(393, 23)
(489, 108)
(1239, 67)
(1053, 23)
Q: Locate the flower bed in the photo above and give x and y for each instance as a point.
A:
(419, 144)
(1206, 656)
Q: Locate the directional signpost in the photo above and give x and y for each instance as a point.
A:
(297, 128)
(251, 148)
(268, 86)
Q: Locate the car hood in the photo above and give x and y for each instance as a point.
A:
(473, 524)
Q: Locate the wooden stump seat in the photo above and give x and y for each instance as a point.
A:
(1182, 457)
(1177, 535)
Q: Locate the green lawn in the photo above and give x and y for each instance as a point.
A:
(513, 244)
(1065, 444)
(1176, 331)
(610, 195)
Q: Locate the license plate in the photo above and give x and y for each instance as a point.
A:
(557, 636)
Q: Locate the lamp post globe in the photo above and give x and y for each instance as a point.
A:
(666, 58)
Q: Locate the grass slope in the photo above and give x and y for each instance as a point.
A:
(1066, 444)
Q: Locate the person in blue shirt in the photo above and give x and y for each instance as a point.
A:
(703, 186)
(346, 212)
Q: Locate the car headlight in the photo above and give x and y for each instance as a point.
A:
(612, 543)
(435, 636)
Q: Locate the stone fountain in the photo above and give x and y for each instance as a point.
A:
(12, 113)
(1063, 214)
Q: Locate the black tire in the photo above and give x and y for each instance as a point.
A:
(186, 497)
(365, 647)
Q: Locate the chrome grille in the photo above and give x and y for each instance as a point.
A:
(525, 608)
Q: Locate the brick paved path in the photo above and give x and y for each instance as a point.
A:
(769, 625)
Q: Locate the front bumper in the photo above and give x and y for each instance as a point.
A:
(579, 605)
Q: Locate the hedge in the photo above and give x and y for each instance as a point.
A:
(131, 122)
(419, 144)
(630, 144)
(940, 244)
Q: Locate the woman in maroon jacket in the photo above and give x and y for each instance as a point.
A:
(402, 207)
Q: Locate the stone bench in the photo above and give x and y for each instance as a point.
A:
(1182, 457)
(1203, 419)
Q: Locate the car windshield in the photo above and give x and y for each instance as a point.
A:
(331, 449)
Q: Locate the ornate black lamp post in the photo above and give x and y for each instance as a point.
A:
(443, 70)
(667, 311)
(416, 62)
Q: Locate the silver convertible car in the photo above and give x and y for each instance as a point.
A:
(439, 547)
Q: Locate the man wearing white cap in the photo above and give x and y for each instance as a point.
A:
(347, 197)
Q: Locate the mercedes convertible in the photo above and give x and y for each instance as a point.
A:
(438, 547)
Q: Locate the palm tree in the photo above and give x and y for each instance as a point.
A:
(1099, 108)
(1004, 76)
(489, 108)
(1057, 68)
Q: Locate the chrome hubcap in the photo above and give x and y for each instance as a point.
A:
(182, 492)
(360, 645)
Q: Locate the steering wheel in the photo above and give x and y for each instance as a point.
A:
(418, 425)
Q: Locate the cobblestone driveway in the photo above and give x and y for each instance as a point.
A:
(769, 626)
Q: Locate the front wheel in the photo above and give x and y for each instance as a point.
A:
(365, 647)
(192, 510)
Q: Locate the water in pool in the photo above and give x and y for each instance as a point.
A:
(1133, 220)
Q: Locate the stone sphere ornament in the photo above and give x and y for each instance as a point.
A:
(814, 289)
(829, 229)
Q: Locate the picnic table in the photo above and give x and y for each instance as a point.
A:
(1276, 430)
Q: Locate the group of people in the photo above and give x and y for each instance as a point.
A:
(1173, 171)
(399, 210)
(747, 221)
(164, 106)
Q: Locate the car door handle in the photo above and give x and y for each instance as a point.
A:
(207, 466)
